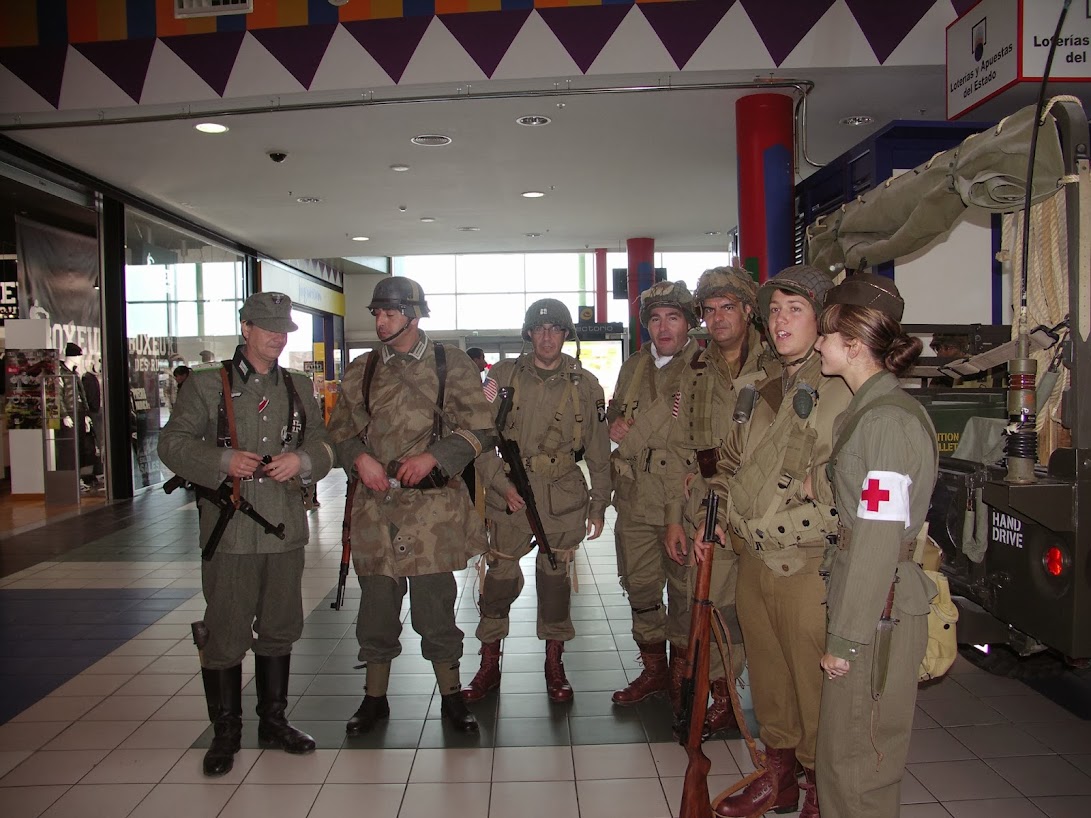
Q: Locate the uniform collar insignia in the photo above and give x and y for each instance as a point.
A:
(246, 369)
(417, 352)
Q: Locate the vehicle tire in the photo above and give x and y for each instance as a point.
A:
(1003, 661)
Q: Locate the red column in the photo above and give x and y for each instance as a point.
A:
(766, 176)
(601, 291)
(641, 277)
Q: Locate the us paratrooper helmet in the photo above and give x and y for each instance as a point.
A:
(550, 311)
(668, 294)
(802, 279)
(402, 294)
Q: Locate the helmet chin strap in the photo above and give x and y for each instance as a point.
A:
(408, 321)
(809, 353)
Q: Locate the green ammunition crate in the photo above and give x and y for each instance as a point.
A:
(950, 412)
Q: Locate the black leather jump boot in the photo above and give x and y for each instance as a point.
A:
(271, 674)
(223, 695)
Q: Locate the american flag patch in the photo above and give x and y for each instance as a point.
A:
(491, 389)
(677, 404)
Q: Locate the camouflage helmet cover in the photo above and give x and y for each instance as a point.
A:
(548, 311)
(802, 279)
(869, 290)
(720, 282)
(667, 294)
(399, 293)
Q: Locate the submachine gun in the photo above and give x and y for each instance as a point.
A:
(517, 473)
(223, 500)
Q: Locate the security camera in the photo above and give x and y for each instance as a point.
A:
(278, 156)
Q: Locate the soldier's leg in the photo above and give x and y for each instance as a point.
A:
(378, 629)
(680, 585)
(643, 574)
(503, 580)
(555, 587)
(725, 575)
(279, 616)
(231, 585)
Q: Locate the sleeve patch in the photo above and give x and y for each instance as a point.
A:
(491, 389)
(884, 495)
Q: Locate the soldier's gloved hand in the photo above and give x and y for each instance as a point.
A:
(703, 550)
(414, 469)
(283, 467)
(371, 472)
(619, 428)
(594, 528)
(674, 541)
(243, 464)
(514, 500)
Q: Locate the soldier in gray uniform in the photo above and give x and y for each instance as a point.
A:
(410, 417)
(558, 412)
(640, 421)
(252, 583)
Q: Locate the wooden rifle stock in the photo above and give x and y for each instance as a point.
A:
(346, 544)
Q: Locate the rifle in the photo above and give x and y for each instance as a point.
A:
(346, 543)
(690, 726)
(222, 499)
(509, 451)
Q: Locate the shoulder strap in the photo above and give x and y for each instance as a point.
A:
(441, 374)
(229, 409)
(896, 398)
(369, 373)
(297, 416)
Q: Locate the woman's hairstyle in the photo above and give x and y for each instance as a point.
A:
(878, 332)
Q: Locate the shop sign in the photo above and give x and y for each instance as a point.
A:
(9, 303)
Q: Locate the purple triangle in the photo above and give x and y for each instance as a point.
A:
(298, 48)
(211, 56)
(125, 62)
(584, 30)
(41, 67)
(682, 27)
(486, 35)
(885, 25)
(781, 24)
(963, 6)
(390, 41)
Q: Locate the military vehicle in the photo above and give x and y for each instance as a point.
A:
(1012, 506)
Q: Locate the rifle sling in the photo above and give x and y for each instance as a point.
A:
(232, 431)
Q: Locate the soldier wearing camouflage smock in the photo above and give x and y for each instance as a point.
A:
(411, 415)
(265, 432)
(639, 417)
(735, 357)
(882, 471)
(780, 535)
(558, 413)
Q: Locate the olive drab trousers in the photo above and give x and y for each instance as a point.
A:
(642, 565)
(431, 612)
(504, 582)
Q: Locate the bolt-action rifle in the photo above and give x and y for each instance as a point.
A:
(222, 499)
(517, 473)
(346, 543)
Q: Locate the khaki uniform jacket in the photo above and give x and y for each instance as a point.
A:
(642, 467)
(187, 446)
(707, 395)
(550, 420)
(887, 439)
(764, 463)
(409, 532)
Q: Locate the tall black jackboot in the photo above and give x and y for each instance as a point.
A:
(223, 694)
(271, 674)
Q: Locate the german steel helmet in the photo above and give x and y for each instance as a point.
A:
(720, 282)
(399, 293)
(667, 294)
(869, 290)
(548, 311)
(802, 279)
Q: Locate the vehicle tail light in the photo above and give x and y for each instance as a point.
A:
(1054, 561)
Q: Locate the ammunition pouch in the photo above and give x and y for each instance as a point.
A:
(804, 528)
(549, 466)
(567, 494)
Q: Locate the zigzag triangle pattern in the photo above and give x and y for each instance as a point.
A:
(125, 62)
(486, 35)
(211, 56)
(391, 42)
(784, 24)
(683, 27)
(297, 48)
(584, 30)
(885, 25)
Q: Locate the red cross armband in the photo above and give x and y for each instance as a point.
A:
(884, 495)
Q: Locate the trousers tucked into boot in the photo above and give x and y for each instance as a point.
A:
(676, 673)
(810, 796)
(223, 694)
(777, 790)
(652, 680)
(721, 715)
(271, 674)
(488, 675)
(557, 686)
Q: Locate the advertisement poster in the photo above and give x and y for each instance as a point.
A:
(25, 371)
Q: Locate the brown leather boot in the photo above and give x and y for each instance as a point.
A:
(720, 715)
(676, 673)
(777, 790)
(488, 675)
(557, 686)
(651, 681)
(810, 796)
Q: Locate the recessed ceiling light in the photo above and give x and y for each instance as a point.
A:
(308, 199)
(468, 229)
(431, 140)
(712, 232)
(533, 235)
(532, 194)
(427, 219)
(211, 127)
(857, 119)
(399, 168)
(534, 120)
(360, 238)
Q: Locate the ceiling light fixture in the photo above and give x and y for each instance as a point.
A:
(360, 238)
(431, 140)
(211, 127)
(427, 219)
(533, 235)
(399, 168)
(532, 194)
(712, 232)
(534, 120)
(856, 120)
(308, 199)
(468, 229)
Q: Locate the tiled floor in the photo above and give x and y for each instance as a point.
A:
(105, 717)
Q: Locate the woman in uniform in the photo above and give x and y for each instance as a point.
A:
(882, 470)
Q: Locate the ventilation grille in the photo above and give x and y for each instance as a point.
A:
(211, 8)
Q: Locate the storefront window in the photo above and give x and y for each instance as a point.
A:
(183, 297)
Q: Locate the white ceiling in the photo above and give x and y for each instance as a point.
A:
(659, 164)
